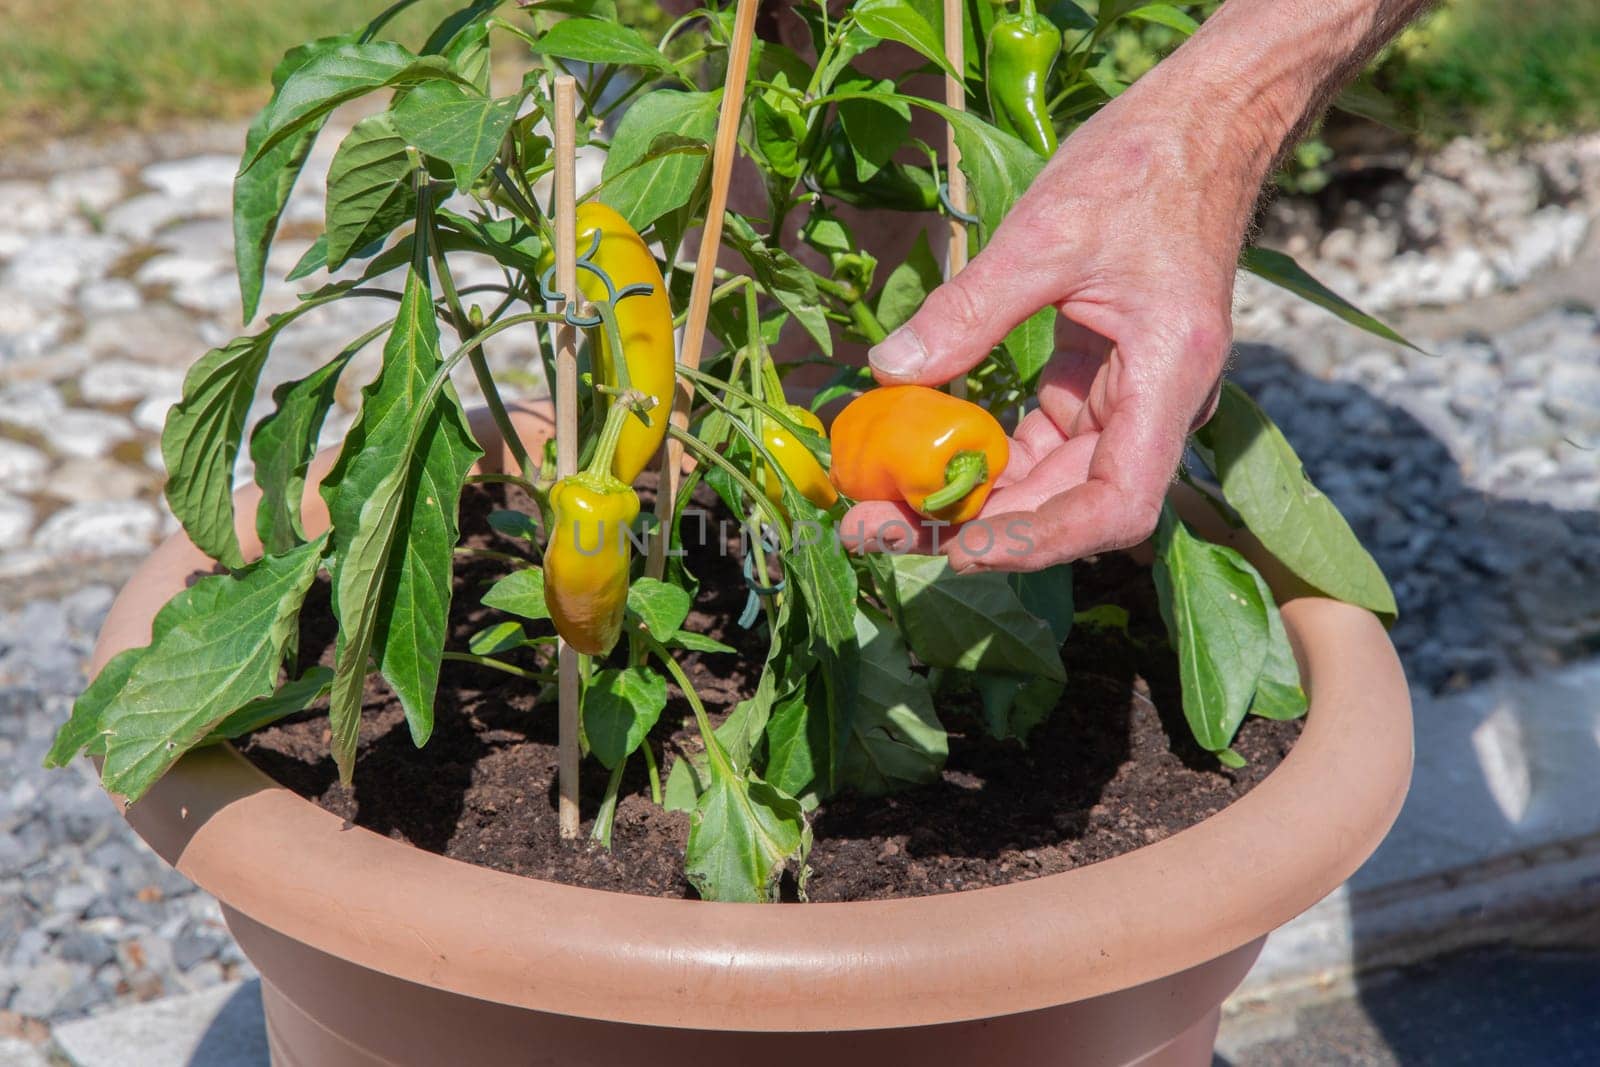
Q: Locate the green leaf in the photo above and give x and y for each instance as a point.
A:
(84, 728)
(662, 607)
(742, 833)
(645, 193)
(333, 76)
(779, 273)
(1068, 15)
(827, 583)
(1047, 594)
(693, 642)
(1367, 101)
(215, 647)
(463, 39)
(370, 188)
(200, 442)
(909, 284)
(896, 739)
(597, 41)
(284, 443)
(876, 123)
(800, 742)
(291, 697)
(1103, 617)
(501, 637)
(260, 193)
(1217, 619)
(999, 166)
(1165, 15)
(779, 131)
(1013, 705)
(619, 710)
(521, 593)
(1278, 692)
(457, 126)
(685, 782)
(915, 25)
(1281, 270)
(1032, 343)
(393, 496)
(513, 523)
(973, 622)
(1263, 480)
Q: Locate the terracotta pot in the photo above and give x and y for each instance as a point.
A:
(373, 952)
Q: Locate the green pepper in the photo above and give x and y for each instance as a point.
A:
(1022, 51)
(894, 187)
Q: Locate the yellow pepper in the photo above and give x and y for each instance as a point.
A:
(644, 324)
(587, 560)
(795, 459)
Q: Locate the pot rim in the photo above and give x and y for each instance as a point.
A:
(286, 863)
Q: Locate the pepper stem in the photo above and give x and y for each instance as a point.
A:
(611, 433)
(964, 473)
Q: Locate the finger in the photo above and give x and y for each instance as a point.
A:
(1064, 468)
(1066, 379)
(1037, 436)
(962, 320)
(884, 526)
(1119, 500)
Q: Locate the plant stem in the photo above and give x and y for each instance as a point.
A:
(710, 455)
(652, 771)
(480, 364)
(964, 473)
(701, 719)
(498, 665)
(606, 817)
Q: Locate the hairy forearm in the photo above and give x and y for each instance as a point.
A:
(1265, 69)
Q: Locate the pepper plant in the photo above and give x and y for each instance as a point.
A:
(864, 652)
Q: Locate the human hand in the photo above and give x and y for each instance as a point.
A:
(1132, 232)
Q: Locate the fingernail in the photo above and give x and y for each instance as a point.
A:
(900, 355)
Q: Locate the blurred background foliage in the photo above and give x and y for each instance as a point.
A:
(1510, 72)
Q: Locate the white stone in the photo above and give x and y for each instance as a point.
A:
(31, 405)
(108, 295)
(15, 1052)
(29, 209)
(194, 179)
(87, 434)
(99, 529)
(200, 239)
(95, 189)
(152, 334)
(28, 325)
(119, 381)
(53, 268)
(1545, 239)
(16, 522)
(89, 480)
(151, 415)
(142, 217)
(1573, 395)
(219, 294)
(22, 467)
(176, 270)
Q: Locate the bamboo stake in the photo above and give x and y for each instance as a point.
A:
(694, 329)
(564, 122)
(955, 98)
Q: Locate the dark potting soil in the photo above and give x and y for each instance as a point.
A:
(1114, 768)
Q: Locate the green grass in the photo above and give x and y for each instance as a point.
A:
(1507, 70)
(68, 66)
(1512, 71)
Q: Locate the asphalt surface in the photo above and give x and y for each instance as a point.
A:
(1491, 1008)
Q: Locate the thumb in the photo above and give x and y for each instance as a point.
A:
(957, 324)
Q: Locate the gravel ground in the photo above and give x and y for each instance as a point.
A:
(1473, 473)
